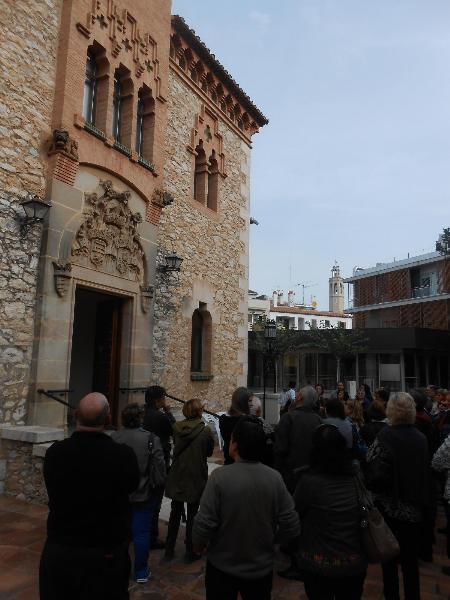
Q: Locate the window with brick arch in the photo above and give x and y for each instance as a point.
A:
(90, 86)
(213, 182)
(200, 175)
(145, 125)
(96, 85)
(201, 340)
(122, 112)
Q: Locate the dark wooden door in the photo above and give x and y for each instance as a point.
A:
(107, 352)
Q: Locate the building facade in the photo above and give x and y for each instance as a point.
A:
(117, 114)
(404, 308)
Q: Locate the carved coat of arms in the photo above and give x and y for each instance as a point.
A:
(107, 238)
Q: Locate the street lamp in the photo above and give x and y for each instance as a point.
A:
(172, 263)
(270, 333)
(35, 210)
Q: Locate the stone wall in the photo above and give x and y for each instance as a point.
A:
(23, 472)
(28, 34)
(214, 248)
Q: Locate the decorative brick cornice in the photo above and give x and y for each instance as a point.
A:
(206, 128)
(212, 71)
(125, 37)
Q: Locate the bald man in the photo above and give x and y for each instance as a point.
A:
(89, 478)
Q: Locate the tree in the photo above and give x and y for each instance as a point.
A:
(443, 242)
(341, 343)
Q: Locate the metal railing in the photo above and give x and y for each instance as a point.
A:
(52, 394)
(136, 390)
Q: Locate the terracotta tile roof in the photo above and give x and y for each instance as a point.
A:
(297, 310)
(189, 34)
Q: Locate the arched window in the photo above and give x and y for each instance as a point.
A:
(117, 107)
(197, 341)
(200, 175)
(90, 86)
(122, 113)
(96, 87)
(201, 340)
(213, 182)
(145, 125)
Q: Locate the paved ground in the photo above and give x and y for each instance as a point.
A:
(22, 534)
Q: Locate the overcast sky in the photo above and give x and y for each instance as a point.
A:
(354, 165)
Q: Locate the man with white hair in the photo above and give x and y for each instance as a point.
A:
(293, 437)
(88, 478)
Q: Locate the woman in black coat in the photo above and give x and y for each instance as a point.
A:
(239, 407)
(398, 472)
(330, 555)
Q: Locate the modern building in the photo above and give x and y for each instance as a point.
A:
(404, 308)
(119, 116)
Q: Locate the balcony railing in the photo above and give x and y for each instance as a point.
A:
(422, 292)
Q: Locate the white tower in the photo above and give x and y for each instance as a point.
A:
(336, 290)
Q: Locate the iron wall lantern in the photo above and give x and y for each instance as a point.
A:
(172, 263)
(35, 209)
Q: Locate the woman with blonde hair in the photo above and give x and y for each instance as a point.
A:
(193, 443)
(398, 472)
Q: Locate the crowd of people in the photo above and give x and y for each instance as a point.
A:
(295, 485)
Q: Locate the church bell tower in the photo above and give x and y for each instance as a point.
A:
(336, 285)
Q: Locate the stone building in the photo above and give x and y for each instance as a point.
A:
(119, 116)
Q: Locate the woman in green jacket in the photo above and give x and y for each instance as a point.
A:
(193, 443)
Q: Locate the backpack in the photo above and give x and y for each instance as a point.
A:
(156, 462)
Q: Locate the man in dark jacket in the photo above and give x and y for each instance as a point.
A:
(88, 478)
(293, 437)
(159, 420)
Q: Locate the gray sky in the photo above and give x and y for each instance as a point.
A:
(354, 165)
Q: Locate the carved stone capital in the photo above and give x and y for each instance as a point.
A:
(147, 293)
(62, 143)
(161, 198)
(62, 275)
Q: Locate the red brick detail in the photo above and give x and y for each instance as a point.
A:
(63, 168)
(435, 315)
(153, 214)
(387, 287)
(359, 320)
(411, 315)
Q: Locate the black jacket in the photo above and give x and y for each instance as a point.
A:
(89, 478)
(398, 466)
(330, 519)
(293, 442)
(226, 424)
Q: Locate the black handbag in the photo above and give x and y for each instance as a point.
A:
(379, 543)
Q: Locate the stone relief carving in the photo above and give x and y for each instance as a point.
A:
(147, 293)
(62, 275)
(107, 238)
(161, 198)
(62, 143)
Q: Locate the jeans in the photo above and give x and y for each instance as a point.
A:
(176, 510)
(407, 535)
(72, 573)
(223, 586)
(159, 494)
(142, 515)
(318, 587)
